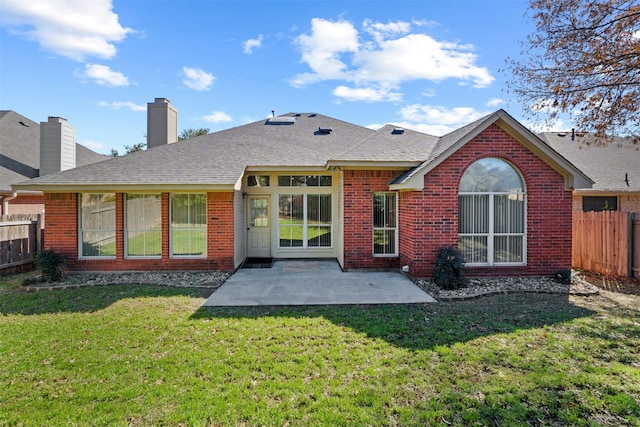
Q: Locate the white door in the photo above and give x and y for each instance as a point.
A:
(259, 235)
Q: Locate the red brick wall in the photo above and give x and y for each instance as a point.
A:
(61, 233)
(428, 219)
(548, 210)
(24, 205)
(358, 189)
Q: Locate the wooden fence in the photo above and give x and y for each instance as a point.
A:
(20, 240)
(607, 242)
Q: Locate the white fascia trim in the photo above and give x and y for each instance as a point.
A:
(140, 188)
(371, 164)
(606, 192)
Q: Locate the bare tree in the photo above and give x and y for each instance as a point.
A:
(583, 61)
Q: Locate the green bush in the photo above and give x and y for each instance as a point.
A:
(51, 265)
(449, 271)
(563, 276)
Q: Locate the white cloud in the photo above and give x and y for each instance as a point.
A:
(103, 75)
(76, 29)
(322, 48)
(251, 44)
(119, 105)
(438, 115)
(197, 79)
(93, 145)
(557, 125)
(494, 102)
(435, 120)
(380, 31)
(390, 56)
(217, 117)
(368, 94)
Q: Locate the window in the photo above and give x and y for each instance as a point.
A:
(143, 236)
(491, 226)
(319, 220)
(258, 180)
(259, 212)
(304, 181)
(98, 225)
(599, 203)
(385, 220)
(304, 220)
(189, 225)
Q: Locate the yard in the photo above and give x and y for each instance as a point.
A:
(143, 355)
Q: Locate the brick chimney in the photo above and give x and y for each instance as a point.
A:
(57, 146)
(162, 123)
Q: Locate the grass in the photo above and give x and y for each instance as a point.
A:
(143, 355)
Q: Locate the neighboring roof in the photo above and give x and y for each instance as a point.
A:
(290, 142)
(608, 163)
(452, 142)
(20, 150)
(217, 160)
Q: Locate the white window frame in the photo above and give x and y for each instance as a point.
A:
(305, 223)
(386, 228)
(171, 228)
(82, 231)
(491, 235)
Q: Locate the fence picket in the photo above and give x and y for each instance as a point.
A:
(19, 239)
(603, 242)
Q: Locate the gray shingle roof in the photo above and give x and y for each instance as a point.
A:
(220, 158)
(390, 144)
(606, 164)
(20, 150)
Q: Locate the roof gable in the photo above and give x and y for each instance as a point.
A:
(452, 142)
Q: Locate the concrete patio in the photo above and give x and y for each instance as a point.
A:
(313, 282)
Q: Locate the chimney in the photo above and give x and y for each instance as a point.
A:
(162, 123)
(57, 146)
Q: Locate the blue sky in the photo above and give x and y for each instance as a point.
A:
(429, 65)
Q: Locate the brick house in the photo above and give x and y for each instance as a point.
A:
(21, 157)
(613, 165)
(304, 185)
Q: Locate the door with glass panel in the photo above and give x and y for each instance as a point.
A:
(259, 234)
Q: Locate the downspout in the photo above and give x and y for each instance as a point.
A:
(5, 202)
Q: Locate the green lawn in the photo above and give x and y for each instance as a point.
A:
(141, 355)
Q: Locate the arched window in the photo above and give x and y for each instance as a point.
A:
(492, 214)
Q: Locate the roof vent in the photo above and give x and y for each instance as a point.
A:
(281, 121)
(397, 131)
(312, 115)
(298, 114)
(324, 131)
(562, 134)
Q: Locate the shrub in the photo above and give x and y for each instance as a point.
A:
(563, 276)
(51, 265)
(449, 270)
